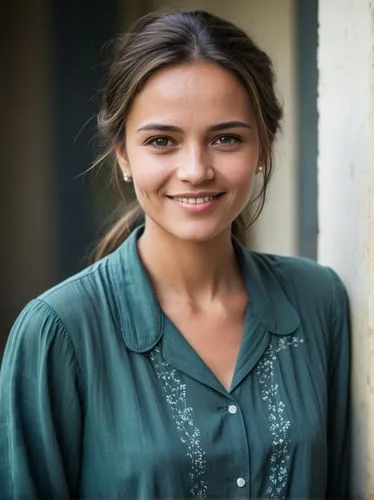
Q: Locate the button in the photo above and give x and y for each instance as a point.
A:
(240, 482)
(232, 409)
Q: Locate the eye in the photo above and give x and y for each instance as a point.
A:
(160, 141)
(227, 140)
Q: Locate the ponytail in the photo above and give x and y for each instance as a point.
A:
(121, 229)
(239, 228)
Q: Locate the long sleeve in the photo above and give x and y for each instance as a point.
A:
(40, 409)
(339, 455)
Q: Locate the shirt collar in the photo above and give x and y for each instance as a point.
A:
(140, 315)
(141, 318)
(265, 287)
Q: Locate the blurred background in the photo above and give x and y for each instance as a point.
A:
(52, 64)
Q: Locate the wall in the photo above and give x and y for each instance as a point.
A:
(346, 189)
(271, 24)
(27, 185)
(51, 69)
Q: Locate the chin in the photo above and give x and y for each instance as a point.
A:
(189, 231)
(197, 233)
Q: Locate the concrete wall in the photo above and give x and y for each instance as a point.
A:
(346, 190)
(271, 24)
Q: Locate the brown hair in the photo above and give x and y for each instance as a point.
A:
(159, 40)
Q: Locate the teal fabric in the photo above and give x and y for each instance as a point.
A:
(102, 398)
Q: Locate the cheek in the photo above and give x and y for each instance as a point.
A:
(149, 173)
(239, 172)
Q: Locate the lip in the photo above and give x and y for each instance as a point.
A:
(198, 194)
(199, 207)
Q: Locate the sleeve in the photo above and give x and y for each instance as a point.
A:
(40, 409)
(338, 427)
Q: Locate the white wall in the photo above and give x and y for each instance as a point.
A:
(271, 24)
(346, 189)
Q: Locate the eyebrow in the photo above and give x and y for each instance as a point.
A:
(214, 128)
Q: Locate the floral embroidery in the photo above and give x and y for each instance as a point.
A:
(279, 424)
(175, 392)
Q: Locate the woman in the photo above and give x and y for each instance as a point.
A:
(181, 365)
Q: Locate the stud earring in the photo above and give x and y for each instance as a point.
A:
(260, 168)
(126, 178)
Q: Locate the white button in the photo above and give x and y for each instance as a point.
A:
(232, 409)
(240, 482)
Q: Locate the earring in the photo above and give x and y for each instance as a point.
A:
(260, 168)
(126, 178)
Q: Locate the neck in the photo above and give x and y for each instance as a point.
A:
(194, 271)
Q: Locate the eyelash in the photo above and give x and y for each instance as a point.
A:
(236, 139)
(151, 141)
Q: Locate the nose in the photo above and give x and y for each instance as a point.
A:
(195, 166)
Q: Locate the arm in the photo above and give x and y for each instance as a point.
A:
(40, 409)
(338, 432)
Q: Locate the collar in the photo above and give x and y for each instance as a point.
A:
(267, 298)
(142, 320)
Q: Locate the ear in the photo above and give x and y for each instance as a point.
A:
(122, 160)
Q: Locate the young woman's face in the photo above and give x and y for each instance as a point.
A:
(192, 149)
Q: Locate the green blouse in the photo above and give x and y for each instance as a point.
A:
(101, 397)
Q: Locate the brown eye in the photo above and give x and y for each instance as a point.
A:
(161, 142)
(227, 140)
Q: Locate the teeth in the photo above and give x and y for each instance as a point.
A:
(195, 201)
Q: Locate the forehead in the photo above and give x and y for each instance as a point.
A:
(201, 90)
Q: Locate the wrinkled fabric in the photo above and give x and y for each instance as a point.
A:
(102, 397)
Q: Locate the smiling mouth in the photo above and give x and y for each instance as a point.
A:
(198, 200)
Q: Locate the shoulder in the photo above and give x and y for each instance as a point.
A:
(313, 291)
(84, 301)
(79, 289)
(299, 272)
(36, 322)
(308, 285)
(37, 339)
(69, 309)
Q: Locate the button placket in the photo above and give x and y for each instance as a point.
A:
(233, 412)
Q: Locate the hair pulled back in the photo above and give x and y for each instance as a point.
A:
(160, 40)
